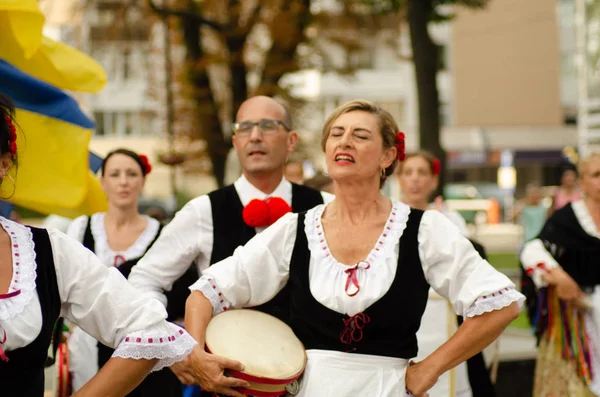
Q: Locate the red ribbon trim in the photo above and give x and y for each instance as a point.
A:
(11, 294)
(264, 381)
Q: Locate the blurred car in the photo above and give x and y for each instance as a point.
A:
(470, 202)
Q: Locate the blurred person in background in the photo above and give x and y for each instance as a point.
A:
(418, 177)
(562, 262)
(531, 212)
(568, 191)
(119, 237)
(294, 171)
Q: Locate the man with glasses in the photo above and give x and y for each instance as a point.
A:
(210, 227)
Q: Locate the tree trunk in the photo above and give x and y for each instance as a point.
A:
(208, 114)
(287, 32)
(426, 62)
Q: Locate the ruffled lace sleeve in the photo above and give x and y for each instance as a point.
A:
(107, 307)
(457, 272)
(256, 272)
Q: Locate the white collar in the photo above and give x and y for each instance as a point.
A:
(249, 192)
(585, 218)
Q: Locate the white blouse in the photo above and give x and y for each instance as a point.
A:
(102, 249)
(188, 238)
(259, 270)
(98, 299)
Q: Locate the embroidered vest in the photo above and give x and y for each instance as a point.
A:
(386, 328)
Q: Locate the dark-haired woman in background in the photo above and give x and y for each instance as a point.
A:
(45, 274)
(119, 237)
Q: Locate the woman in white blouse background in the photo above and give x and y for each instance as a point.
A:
(361, 259)
(418, 177)
(45, 274)
(119, 237)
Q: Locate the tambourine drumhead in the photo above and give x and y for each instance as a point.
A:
(266, 346)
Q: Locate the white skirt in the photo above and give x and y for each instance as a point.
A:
(331, 373)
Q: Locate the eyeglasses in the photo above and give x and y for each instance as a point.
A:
(266, 127)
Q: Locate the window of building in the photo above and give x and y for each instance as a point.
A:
(127, 58)
(99, 120)
(125, 123)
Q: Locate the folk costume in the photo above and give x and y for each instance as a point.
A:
(358, 323)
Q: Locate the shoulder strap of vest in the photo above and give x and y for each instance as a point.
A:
(43, 248)
(88, 238)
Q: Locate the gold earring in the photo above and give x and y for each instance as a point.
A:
(383, 173)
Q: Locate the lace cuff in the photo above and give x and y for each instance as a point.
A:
(209, 288)
(167, 342)
(495, 301)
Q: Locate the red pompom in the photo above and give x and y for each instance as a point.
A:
(146, 164)
(256, 213)
(436, 167)
(277, 208)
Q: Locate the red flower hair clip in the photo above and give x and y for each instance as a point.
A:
(436, 166)
(146, 164)
(12, 139)
(262, 213)
(401, 145)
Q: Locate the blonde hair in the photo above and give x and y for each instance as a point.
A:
(425, 155)
(583, 163)
(387, 127)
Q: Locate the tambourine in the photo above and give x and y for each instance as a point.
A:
(273, 357)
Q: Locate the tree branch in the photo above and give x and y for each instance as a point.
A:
(168, 12)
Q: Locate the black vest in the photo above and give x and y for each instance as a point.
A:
(23, 374)
(393, 321)
(230, 231)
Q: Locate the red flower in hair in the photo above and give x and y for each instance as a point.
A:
(12, 139)
(262, 213)
(401, 145)
(436, 166)
(146, 164)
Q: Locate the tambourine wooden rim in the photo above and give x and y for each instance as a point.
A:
(258, 379)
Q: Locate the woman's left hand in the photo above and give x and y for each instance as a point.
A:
(420, 378)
